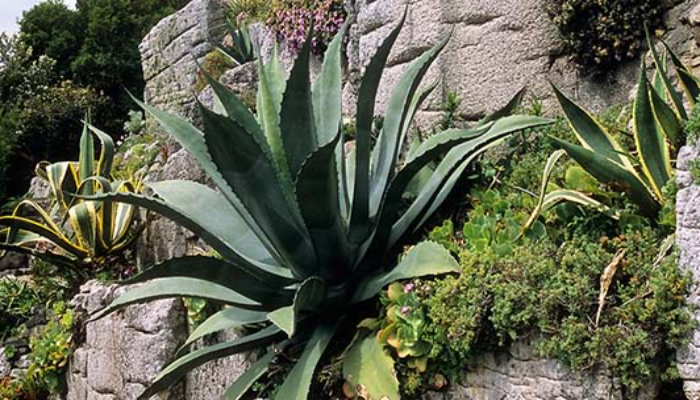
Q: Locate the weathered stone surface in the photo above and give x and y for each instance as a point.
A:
(123, 352)
(497, 47)
(688, 242)
(242, 80)
(170, 51)
(518, 374)
(211, 380)
(5, 365)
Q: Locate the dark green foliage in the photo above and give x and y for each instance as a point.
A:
(602, 34)
(548, 292)
(62, 64)
(53, 30)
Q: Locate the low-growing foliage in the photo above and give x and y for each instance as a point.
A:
(602, 34)
(547, 293)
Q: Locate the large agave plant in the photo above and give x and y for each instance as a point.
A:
(302, 229)
(658, 115)
(75, 232)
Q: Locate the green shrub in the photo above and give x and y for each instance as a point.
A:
(602, 34)
(549, 292)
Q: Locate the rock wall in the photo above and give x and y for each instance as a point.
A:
(123, 352)
(518, 374)
(688, 241)
(497, 47)
(170, 51)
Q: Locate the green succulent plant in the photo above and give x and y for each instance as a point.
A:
(403, 325)
(658, 116)
(303, 231)
(75, 232)
(241, 49)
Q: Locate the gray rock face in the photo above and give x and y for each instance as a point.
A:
(518, 374)
(123, 352)
(497, 47)
(688, 241)
(170, 51)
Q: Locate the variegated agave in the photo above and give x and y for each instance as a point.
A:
(658, 115)
(73, 232)
(303, 230)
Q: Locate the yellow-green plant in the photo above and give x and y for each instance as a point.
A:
(658, 115)
(71, 230)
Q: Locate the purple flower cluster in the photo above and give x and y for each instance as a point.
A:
(291, 23)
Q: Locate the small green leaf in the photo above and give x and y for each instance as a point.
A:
(369, 368)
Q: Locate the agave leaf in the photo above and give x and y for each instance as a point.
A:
(196, 223)
(668, 122)
(244, 382)
(506, 111)
(104, 163)
(308, 298)
(560, 195)
(426, 258)
(296, 385)
(328, 113)
(653, 151)
(270, 95)
(449, 184)
(179, 368)
(370, 370)
(63, 179)
(257, 285)
(676, 99)
(253, 176)
(327, 92)
(466, 144)
(83, 219)
(179, 287)
(688, 81)
(55, 237)
(236, 109)
(192, 139)
(227, 318)
(590, 133)
(386, 151)
(195, 201)
(366, 100)
(297, 125)
(87, 158)
(610, 172)
(546, 175)
(55, 259)
(317, 188)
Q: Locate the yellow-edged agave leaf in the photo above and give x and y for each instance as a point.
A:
(611, 173)
(689, 82)
(63, 178)
(654, 153)
(674, 96)
(87, 160)
(667, 119)
(83, 219)
(590, 133)
(546, 175)
(560, 195)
